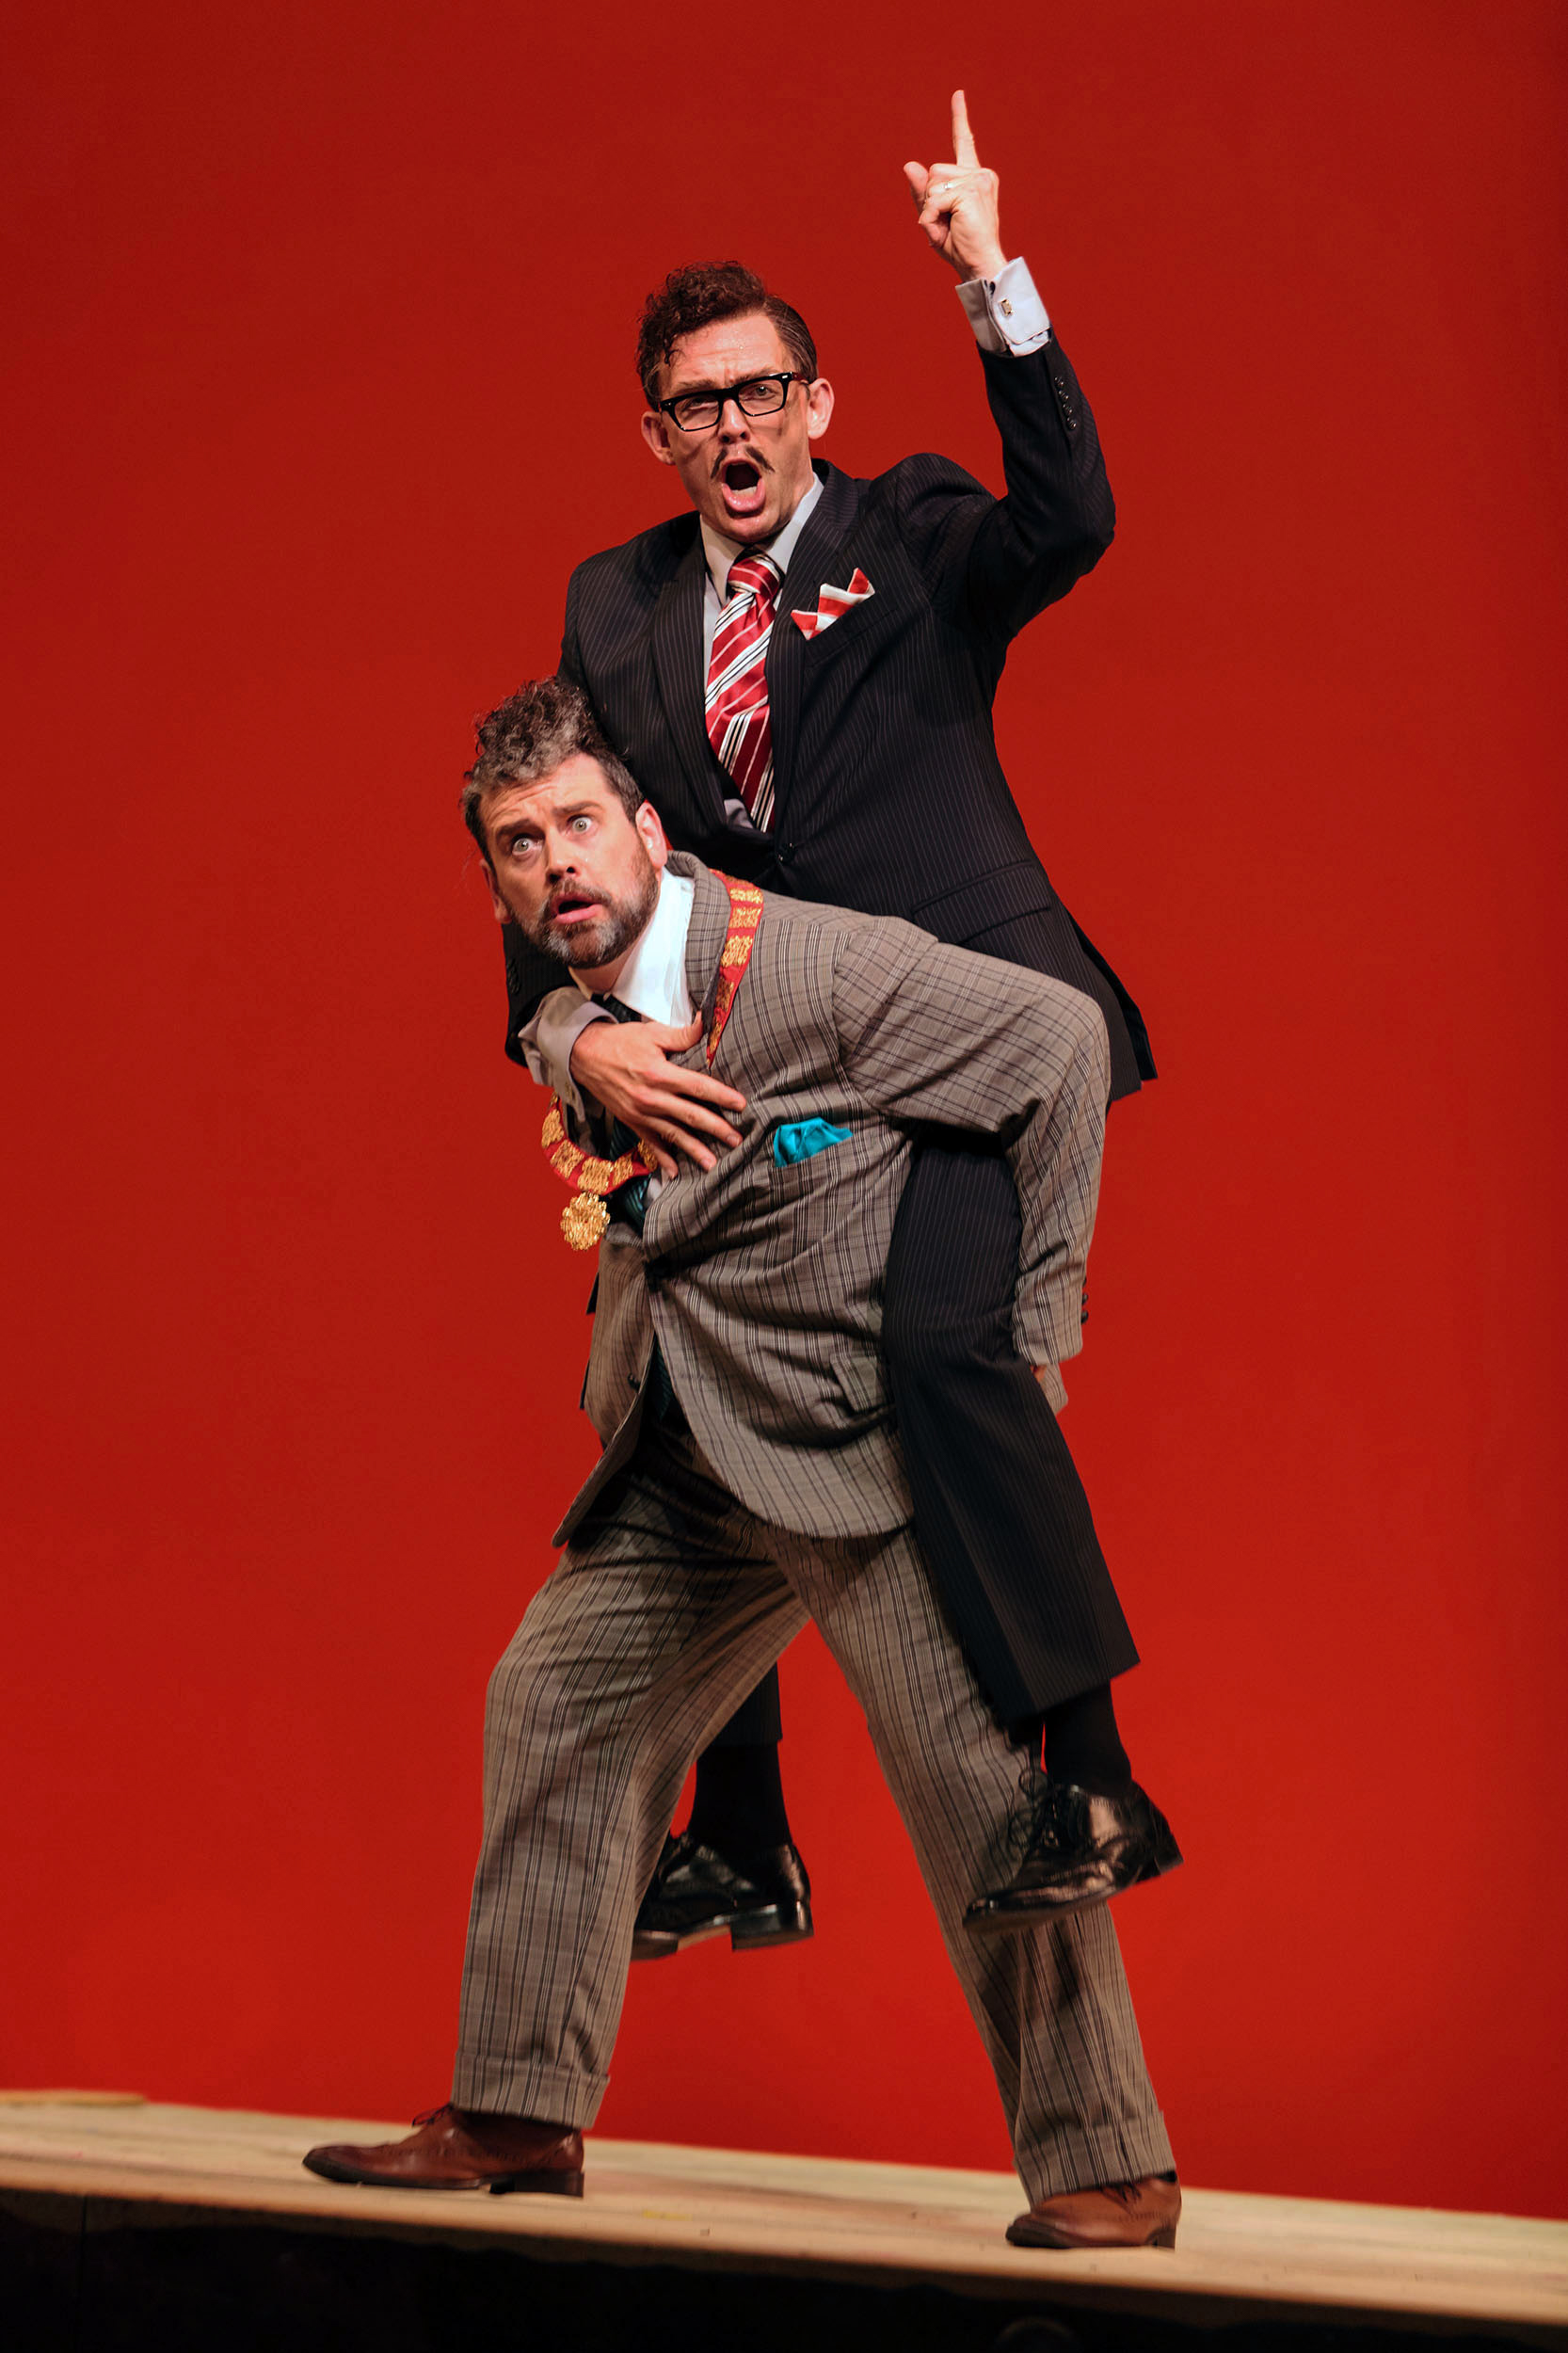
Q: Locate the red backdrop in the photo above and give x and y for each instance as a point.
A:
(321, 383)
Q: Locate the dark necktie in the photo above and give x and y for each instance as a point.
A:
(628, 1201)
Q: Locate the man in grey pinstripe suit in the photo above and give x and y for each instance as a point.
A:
(751, 1479)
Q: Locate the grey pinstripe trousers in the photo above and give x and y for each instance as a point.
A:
(661, 1616)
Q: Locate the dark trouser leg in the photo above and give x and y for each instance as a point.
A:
(999, 1508)
(737, 1804)
(1081, 1743)
(757, 1722)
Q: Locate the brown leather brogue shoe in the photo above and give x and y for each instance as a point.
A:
(463, 2149)
(1122, 2213)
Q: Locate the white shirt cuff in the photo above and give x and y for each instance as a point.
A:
(547, 1042)
(1006, 311)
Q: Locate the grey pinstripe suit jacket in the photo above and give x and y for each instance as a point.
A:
(763, 1284)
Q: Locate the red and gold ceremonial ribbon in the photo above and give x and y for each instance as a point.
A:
(745, 913)
(593, 1179)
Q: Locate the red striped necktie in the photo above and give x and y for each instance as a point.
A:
(736, 703)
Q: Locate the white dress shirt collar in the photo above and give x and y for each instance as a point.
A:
(653, 978)
(721, 551)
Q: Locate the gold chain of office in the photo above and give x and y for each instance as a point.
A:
(592, 1179)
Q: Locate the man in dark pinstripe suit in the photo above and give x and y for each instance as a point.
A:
(752, 1479)
(882, 792)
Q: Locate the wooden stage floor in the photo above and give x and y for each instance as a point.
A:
(76, 2163)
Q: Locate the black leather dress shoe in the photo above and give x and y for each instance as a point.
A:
(1074, 1847)
(696, 1892)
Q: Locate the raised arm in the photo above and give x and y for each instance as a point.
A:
(930, 1033)
(997, 563)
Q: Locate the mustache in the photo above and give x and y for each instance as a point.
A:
(740, 458)
(622, 915)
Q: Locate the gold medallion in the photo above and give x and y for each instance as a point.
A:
(584, 1220)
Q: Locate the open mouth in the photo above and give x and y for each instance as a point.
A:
(573, 906)
(741, 488)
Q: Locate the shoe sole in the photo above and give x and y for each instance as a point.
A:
(748, 1934)
(1003, 1922)
(505, 2186)
(1057, 2243)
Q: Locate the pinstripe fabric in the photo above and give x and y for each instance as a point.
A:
(735, 706)
(890, 799)
(763, 1285)
(663, 1613)
(889, 794)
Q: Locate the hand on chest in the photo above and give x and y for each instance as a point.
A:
(809, 1142)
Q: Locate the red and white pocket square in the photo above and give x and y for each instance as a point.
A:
(832, 604)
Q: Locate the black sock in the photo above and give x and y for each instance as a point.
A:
(1081, 1744)
(739, 1803)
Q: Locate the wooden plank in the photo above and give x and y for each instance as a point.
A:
(1238, 2255)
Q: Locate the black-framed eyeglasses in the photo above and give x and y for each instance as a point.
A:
(758, 396)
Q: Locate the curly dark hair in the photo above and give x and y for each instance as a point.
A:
(701, 294)
(529, 736)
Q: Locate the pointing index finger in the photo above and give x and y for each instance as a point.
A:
(963, 138)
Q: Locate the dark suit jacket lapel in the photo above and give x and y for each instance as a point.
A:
(815, 559)
(677, 635)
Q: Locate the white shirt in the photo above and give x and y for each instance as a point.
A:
(653, 978)
(721, 551)
(652, 981)
(1006, 311)
(1007, 315)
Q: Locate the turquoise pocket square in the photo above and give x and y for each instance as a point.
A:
(803, 1138)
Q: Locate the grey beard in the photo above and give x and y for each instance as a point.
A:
(606, 941)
